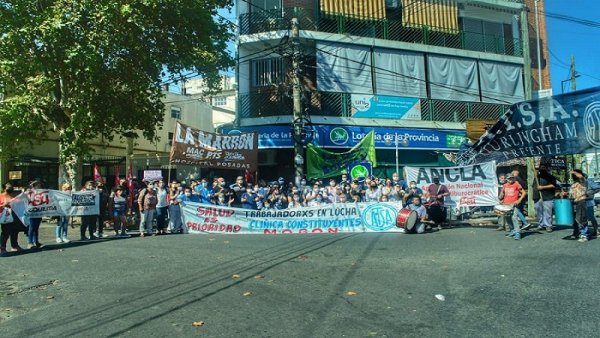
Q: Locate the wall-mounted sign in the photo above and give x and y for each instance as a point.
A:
(15, 175)
(386, 107)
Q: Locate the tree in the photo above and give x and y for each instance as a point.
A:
(85, 68)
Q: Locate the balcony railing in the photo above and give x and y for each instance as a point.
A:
(273, 102)
(387, 29)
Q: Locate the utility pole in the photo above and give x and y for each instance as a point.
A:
(528, 95)
(298, 124)
(573, 74)
(537, 41)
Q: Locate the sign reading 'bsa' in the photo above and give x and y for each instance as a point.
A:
(210, 150)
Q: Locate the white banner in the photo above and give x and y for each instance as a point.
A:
(328, 218)
(47, 203)
(469, 186)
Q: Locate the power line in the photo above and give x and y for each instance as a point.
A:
(412, 77)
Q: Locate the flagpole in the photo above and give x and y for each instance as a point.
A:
(397, 163)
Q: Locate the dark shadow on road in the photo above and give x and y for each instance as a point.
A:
(280, 254)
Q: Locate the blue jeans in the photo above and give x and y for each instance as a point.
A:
(61, 227)
(33, 232)
(520, 216)
(161, 216)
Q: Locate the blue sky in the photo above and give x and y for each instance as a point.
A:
(566, 38)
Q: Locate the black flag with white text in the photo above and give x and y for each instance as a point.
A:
(558, 125)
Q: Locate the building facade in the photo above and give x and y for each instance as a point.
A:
(412, 70)
(224, 104)
(40, 162)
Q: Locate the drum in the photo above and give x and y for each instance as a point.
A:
(563, 212)
(407, 219)
(504, 210)
(436, 213)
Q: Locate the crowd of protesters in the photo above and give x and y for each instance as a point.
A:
(546, 189)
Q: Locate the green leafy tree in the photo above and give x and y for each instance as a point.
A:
(88, 68)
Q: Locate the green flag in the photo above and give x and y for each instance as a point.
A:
(323, 164)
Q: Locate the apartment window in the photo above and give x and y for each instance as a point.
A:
(170, 141)
(219, 101)
(485, 36)
(268, 72)
(176, 112)
(265, 4)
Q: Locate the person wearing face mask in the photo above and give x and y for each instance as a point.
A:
(9, 230)
(296, 202)
(436, 193)
(147, 205)
(175, 223)
(546, 186)
(373, 194)
(238, 188)
(204, 192)
(412, 192)
(249, 198)
(317, 201)
(399, 181)
(421, 211)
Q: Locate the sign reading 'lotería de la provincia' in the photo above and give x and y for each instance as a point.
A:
(210, 150)
(558, 125)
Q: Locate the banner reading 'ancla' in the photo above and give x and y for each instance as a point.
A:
(469, 186)
(209, 150)
(557, 125)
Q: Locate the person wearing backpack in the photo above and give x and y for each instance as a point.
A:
(147, 205)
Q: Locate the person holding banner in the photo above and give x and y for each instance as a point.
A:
(62, 225)
(9, 229)
(33, 231)
(88, 222)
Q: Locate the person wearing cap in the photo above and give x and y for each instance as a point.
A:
(512, 194)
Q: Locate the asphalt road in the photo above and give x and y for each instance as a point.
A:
(319, 285)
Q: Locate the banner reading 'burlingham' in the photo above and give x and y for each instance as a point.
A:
(210, 150)
(558, 125)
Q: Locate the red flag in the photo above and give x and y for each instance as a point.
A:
(117, 171)
(130, 186)
(97, 177)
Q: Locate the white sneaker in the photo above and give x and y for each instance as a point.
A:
(65, 240)
(59, 240)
